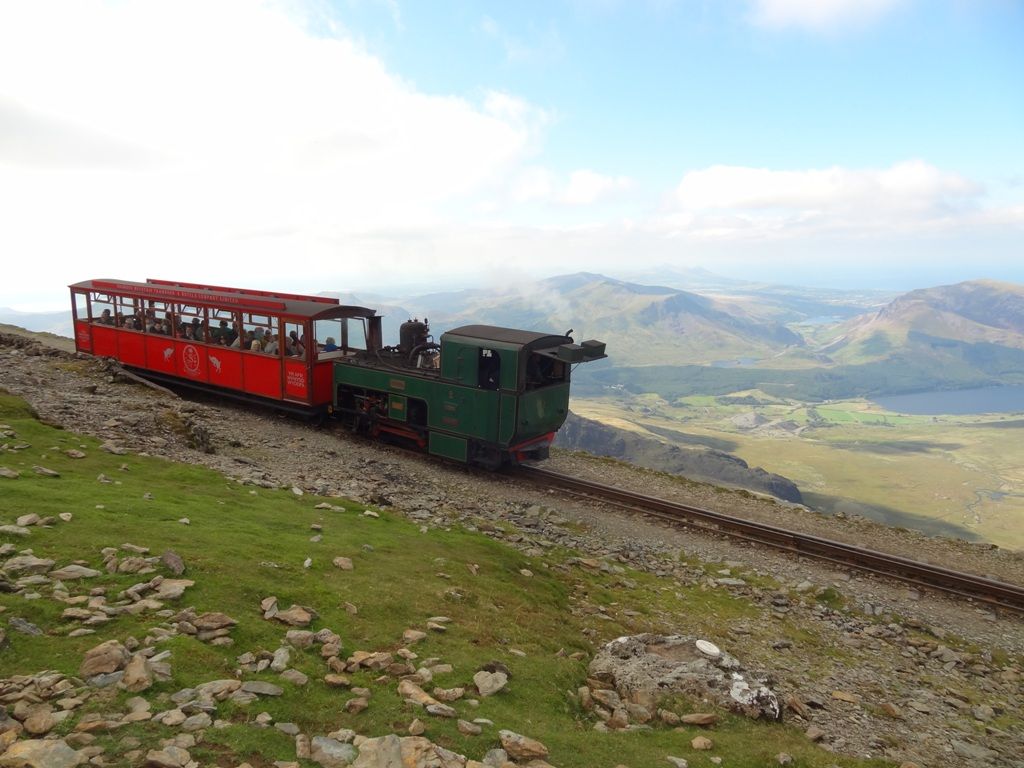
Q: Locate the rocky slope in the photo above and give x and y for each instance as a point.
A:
(914, 678)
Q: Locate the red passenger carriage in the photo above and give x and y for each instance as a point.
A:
(198, 334)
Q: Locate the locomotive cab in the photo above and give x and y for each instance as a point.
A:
(528, 374)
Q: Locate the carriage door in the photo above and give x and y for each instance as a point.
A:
(297, 384)
(83, 332)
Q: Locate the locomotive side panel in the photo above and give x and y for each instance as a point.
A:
(542, 411)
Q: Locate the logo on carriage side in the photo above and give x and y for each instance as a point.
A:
(168, 354)
(190, 358)
(215, 362)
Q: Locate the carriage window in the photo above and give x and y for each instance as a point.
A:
(328, 335)
(257, 332)
(128, 313)
(345, 335)
(355, 333)
(223, 325)
(294, 340)
(103, 309)
(81, 306)
(489, 369)
(158, 317)
(191, 323)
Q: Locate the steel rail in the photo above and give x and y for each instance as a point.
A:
(989, 591)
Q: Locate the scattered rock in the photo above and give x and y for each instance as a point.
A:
(173, 562)
(846, 696)
(295, 677)
(296, 616)
(411, 636)
(699, 718)
(168, 757)
(107, 657)
(27, 565)
(210, 622)
(644, 669)
(331, 753)
(72, 572)
(262, 688)
(971, 751)
(521, 747)
(38, 753)
(137, 675)
(489, 683)
(40, 722)
(19, 624)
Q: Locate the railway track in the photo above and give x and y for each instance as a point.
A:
(984, 590)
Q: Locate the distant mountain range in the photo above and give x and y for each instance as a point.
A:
(947, 337)
(731, 335)
(980, 312)
(645, 324)
(58, 323)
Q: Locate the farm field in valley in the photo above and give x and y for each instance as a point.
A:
(952, 475)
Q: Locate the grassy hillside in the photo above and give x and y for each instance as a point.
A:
(242, 545)
(938, 322)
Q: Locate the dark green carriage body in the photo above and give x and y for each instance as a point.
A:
(499, 394)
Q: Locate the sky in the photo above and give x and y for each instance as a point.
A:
(394, 146)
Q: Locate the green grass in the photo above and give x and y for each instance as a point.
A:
(845, 415)
(245, 544)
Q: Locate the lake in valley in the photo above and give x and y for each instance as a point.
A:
(956, 402)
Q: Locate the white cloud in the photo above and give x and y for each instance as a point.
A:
(586, 187)
(532, 184)
(223, 141)
(142, 137)
(582, 187)
(819, 15)
(730, 199)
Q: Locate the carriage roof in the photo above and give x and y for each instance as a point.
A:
(262, 302)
